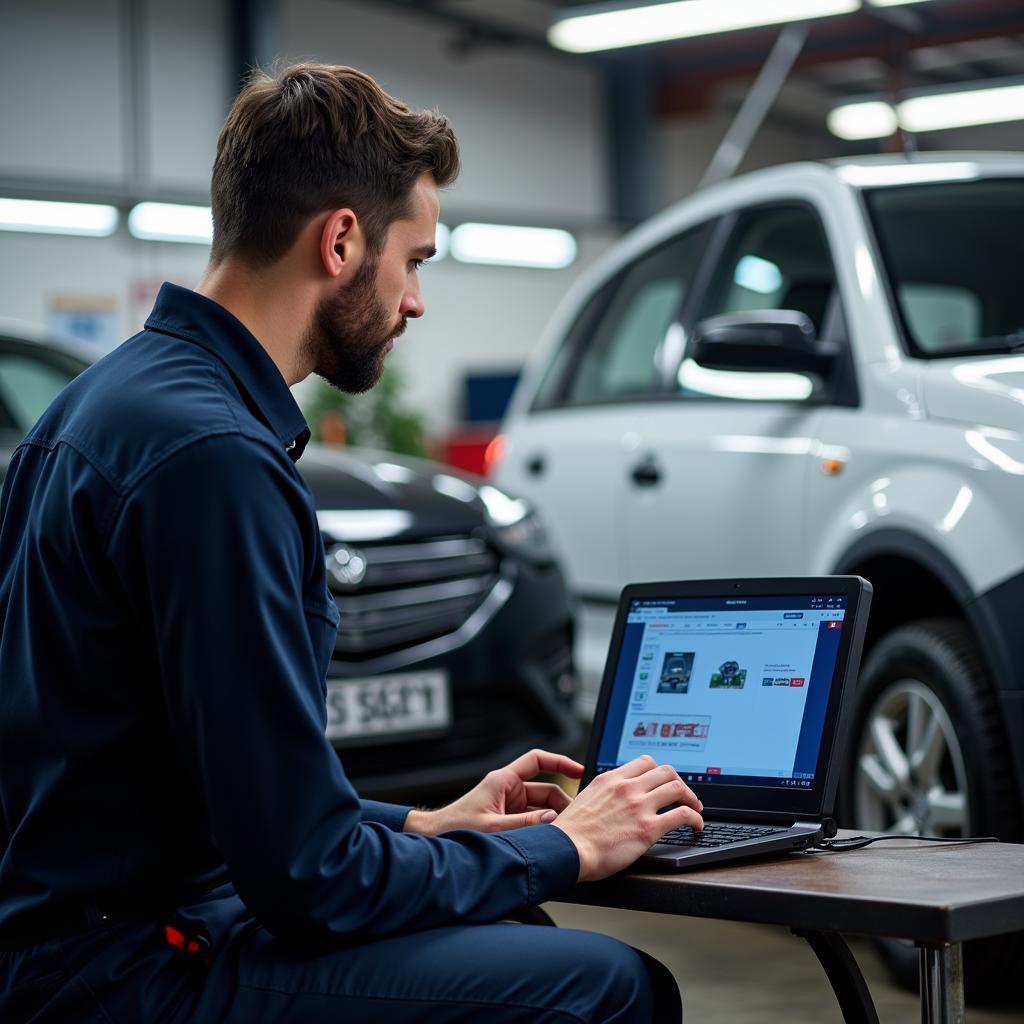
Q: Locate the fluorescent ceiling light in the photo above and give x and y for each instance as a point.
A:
(894, 3)
(875, 119)
(934, 112)
(959, 109)
(876, 175)
(171, 222)
(609, 27)
(504, 245)
(47, 218)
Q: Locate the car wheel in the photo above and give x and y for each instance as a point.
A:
(928, 756)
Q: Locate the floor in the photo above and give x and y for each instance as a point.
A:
(752, 974)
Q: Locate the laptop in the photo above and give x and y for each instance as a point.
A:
(744, 687)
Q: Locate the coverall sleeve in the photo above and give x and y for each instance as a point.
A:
(392, 815)
(216, 547)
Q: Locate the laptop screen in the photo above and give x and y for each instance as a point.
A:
(728, 690)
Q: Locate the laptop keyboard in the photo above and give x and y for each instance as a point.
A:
(717, 833)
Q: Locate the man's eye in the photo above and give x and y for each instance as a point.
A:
(416, 264)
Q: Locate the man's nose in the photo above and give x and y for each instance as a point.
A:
(412, 302)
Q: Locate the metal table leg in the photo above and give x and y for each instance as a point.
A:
(942, 984)
(844, 976)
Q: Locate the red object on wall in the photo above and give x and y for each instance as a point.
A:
(466, 448)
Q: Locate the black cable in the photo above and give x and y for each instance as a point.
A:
(859, 842)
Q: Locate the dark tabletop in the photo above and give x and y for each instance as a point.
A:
(927, 892)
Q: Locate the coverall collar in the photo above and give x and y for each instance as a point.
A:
(187, 314)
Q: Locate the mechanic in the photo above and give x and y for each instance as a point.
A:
(180, 841)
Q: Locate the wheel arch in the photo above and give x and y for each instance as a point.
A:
(913, 579)
(900, 564)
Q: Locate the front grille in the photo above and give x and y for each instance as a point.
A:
(411, 593)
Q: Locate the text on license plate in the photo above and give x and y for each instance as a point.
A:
(408, 702)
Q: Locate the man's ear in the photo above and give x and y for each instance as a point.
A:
(342, 244)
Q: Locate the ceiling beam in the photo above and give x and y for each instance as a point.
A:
(696, 70)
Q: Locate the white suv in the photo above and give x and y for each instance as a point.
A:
(806, 370)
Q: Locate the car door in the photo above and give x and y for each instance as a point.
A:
(572, 453)
(717, 475)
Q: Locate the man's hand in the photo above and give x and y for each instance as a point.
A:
(615, 819)
(504, 799)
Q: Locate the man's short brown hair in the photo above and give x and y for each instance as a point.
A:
(316, 137)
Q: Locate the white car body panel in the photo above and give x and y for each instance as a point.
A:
(934, 448)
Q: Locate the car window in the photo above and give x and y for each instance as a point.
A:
(27, 387)
(619, 335)
(952, 252)
(777, 258)
(941, 316)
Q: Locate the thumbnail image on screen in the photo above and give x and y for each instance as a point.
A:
(675, 672)
(729, 676)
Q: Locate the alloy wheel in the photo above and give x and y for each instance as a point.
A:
(910, 776)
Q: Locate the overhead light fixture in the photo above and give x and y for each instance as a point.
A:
(894, 3)
(611, 26)
(874, 119)
(988, 105)
(508, 246)
(936, 111)
(918, 173)
(41, 217)
(171, 222)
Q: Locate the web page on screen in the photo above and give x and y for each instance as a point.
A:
(733, 690)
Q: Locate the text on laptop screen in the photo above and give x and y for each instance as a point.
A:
(728, 690)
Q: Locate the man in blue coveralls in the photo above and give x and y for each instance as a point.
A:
(179, 839)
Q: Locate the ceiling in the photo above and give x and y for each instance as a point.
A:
(875, 51)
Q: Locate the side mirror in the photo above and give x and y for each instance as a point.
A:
(762, 339)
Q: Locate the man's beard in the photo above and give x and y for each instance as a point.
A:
(347, 340)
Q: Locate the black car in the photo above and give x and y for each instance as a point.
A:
(454, 653)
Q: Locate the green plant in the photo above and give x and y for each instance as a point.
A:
(376, 419)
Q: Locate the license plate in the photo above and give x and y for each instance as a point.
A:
(407, 704)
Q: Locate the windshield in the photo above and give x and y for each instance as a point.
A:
(953, 253)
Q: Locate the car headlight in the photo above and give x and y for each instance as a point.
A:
(515, 526)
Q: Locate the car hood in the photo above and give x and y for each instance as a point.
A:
(364, 495)
(982, 391)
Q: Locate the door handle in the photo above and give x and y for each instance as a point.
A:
(646, 473)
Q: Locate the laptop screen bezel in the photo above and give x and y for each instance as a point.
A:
(818, 800)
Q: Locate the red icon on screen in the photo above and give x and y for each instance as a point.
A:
(796, 681)
(834, 624)
(714, 771)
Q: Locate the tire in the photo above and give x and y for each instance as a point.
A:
(924, 688)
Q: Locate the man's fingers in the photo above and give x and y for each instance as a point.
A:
(536, 817)
(638, 766)
(666, 778)
(547, 794)
(677, 818)
(533, 762)
(674, 792)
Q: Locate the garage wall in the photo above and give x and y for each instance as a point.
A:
(530, 125)
(126, 99)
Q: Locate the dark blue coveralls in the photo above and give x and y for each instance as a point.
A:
(166, 631)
